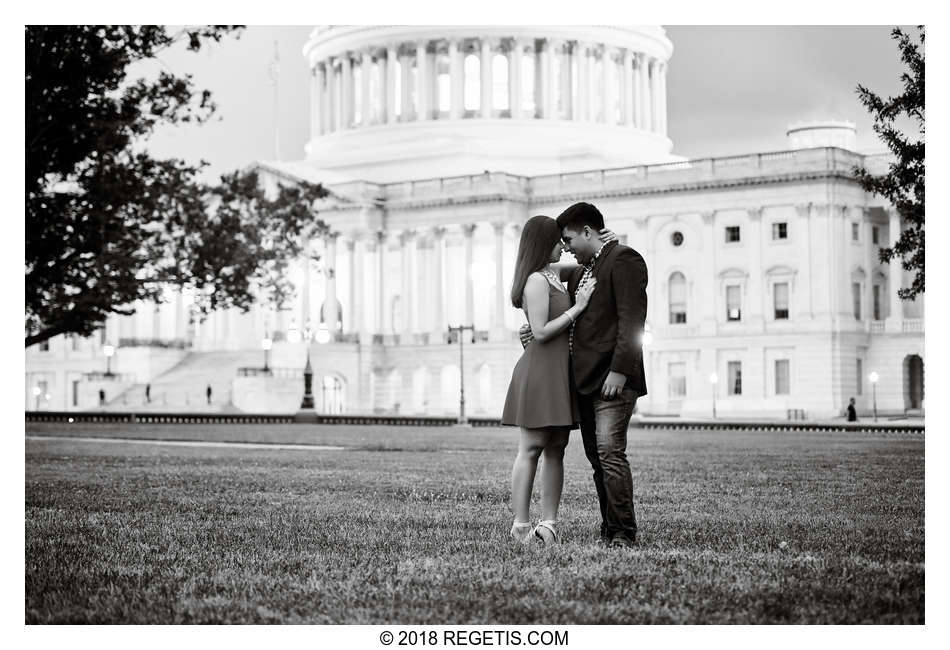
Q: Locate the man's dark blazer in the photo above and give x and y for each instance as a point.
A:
(607, 333)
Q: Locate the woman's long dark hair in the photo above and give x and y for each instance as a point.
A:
(538, 238)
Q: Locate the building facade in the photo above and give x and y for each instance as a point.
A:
(766, 297)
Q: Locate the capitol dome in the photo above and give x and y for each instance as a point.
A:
(390, 103)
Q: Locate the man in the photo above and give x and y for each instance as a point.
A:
(607, 361)
(852, 412)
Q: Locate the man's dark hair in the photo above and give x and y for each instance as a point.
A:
(579, 215)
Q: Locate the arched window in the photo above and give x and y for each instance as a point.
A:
(332, 391)
(473, 83)
(499, 75)
(450, 389)
(420, 390)
(677, 298)
(393, 382)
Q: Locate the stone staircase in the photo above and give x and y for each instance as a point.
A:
(183, 387)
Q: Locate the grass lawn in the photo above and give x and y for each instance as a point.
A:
(409, 525)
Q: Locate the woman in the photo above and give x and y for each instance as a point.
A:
(541, 398)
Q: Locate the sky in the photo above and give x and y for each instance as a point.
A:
(731, 90)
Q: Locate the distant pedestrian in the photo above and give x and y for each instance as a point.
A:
(102, 397)
(852, 412)
(148, 393)
(208, 393)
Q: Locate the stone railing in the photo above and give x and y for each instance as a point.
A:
(912, 325)
(177, 344)
(876, 327)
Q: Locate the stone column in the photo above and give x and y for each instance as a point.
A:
(406, 239)
(710, 316)
(391, 98)
(756, 297)
(438, 311)
(484, 59)
(866, 227)
(514, 78)
(423, 82)
(547, 79)
(330, 121)
(662, 102)
(382, 106)
(346, 74)
(895, 274)
(456, 74)
(627, 81)
(329, 315)
(316, 101)
(610, 116)
(579, 103)
(592, 99)
(566, 80)
(467, 231)
(355, 321)
(645, 112)
(305, 298)
(380, 280)
(405, 63)
(498, 332)
(803, 285)
(366, 106)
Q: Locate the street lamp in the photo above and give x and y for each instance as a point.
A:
(874, 377)
(307, 402)
(266, 344)
(460, 329)
(713, 380)
(108, 350)
(37, 391)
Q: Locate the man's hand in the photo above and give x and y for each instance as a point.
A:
(525, 335)
(613, 385)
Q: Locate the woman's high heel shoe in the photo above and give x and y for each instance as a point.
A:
(521, 532)
(546, 531)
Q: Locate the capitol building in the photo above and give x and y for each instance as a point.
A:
(436, 143)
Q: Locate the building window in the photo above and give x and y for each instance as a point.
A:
(677, 380)
(875, 234)
(856, 299)
(876, 295)
(781, 377)
(732, 234)
(75, 392)
(780, 230)
(855, 231)
(780, 298)
(44, 346)
(733, 303)
(677, 238)
(859, 367)
(735, 378)
(677, 298)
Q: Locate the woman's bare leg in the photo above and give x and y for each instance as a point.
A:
(531, 445)
(552, 474)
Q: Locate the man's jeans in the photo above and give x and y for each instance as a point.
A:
(604, 429)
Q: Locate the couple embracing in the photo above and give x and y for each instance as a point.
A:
(582, 366)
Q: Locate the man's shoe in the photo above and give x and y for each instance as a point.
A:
(621, 541)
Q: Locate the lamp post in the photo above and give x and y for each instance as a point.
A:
(713, 380)
(460, 329)
(266, 344)
(108, 350)
(307, 402)
(874, 377)
(37, 391)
